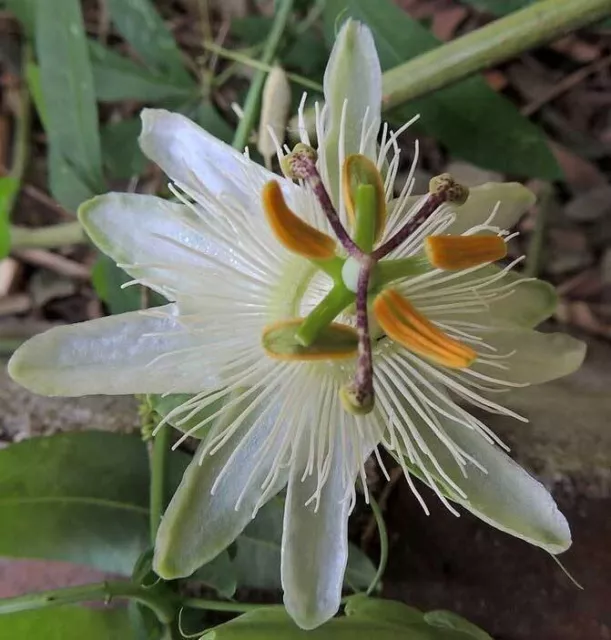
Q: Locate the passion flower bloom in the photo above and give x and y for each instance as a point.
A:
(313, 319)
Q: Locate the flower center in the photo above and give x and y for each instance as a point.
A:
(362, 277)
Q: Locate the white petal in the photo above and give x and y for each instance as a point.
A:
(314, 547)
(539, 357)
(513, 199)
(353, 76)
(112, 355)
(191, 156)
(197, 524)
(530, 303)
(505, 495)
(144, 230)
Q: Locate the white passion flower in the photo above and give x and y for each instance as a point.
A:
(313, 319)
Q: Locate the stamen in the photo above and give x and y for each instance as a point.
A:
(404, 324)
(301, 165)
(295, 234)
(455, 253)
(333, 342)
(442, 189)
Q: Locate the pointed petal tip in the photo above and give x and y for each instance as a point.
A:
(156, 123)
(164, 564)
(148, 117)
(98, 213)
(558, 537)
(309, 617)
(17, 366)
(88, 210)
(22, 369)
(354, 30)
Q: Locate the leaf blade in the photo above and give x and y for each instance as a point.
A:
(275, 624)
(67, 88)
(143, 28)
(60, 499)
(68, 623)
(119, 78)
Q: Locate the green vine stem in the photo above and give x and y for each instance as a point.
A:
(247, 61)
(50, 237)
(161, 443)
(498, 41)
(253, 99)
(383, 534)
(22, 130)
(215, 605)
(159, 604)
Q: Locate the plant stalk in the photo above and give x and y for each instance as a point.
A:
(253, 99)
(49, 237)
(159, 456)
(215, 605)
(383, 534)
(163, 608)
(498, 41)
(247, 61)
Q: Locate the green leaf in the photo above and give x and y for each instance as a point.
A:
(9, 188)
(145, 624)
(376, 609)
(68, 623)
(219, 574)
(304, 51)
(275, 624)
(451, 620)
(400, 614)
(32, 75)
(307, 53)
(69, 187)
(469, 118)
(121, 153)
(24, 12)
(107, 280)
(206, 116)
(360, 571)
(118, 78)
(251, 29)
(257, 559)
(67, 91)
(78, 497)
(140, 24)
